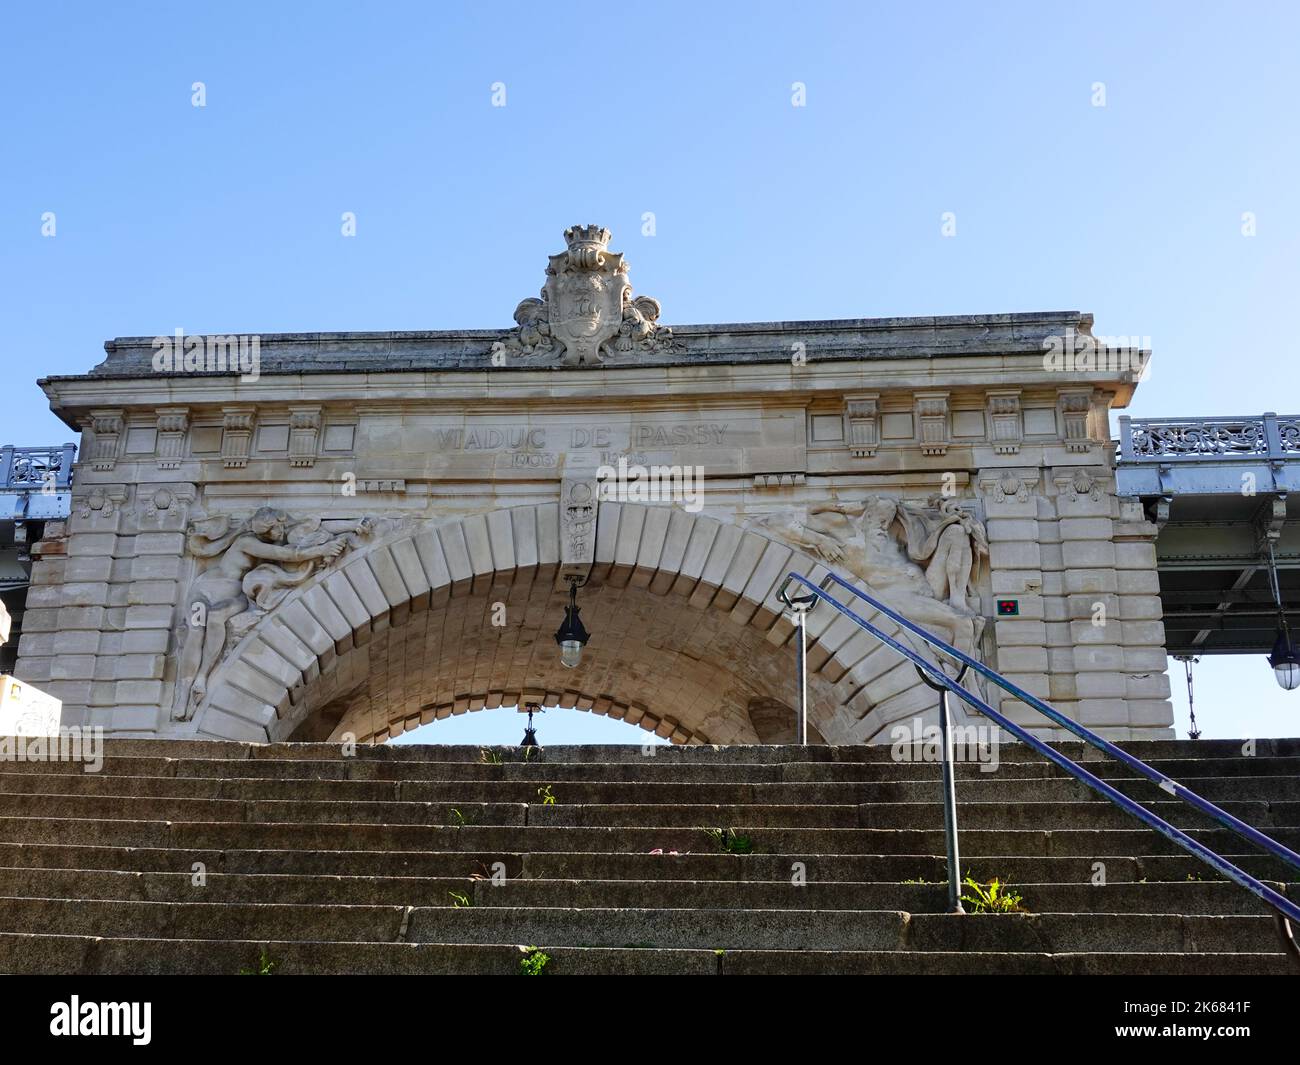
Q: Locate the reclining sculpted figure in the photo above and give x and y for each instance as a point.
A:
(258, 562)
(919, 560)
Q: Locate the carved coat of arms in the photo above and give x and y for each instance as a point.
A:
(587, 311)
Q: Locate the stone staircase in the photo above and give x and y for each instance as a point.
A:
(203, 857)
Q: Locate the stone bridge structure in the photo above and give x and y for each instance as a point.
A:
(306, 536)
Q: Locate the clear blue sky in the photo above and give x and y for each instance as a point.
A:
(227, 218)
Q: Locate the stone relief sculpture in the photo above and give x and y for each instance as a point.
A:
(258, 562)
(920, 560)
(587, 310)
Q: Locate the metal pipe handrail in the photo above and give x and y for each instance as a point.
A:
(1087, 735)
(1217, 862)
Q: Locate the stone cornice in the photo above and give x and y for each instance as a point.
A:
(727, 343)
(70, 397)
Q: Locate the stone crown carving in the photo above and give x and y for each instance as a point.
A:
(587, 312)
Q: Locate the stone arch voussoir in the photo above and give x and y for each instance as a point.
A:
(713, 565)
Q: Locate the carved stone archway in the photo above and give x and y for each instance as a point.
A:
(295, 534)
(687, 636)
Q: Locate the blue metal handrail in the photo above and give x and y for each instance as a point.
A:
(1278, 902)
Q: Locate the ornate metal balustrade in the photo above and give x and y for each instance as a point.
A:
(1167, 457)
(1266, 436)
(34, 469)
(1225, 495)
(36, 482)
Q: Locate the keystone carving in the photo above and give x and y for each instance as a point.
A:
(587, 311)
(578, 505)
(257, 563)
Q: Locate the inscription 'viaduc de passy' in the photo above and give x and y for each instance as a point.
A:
(491, 438)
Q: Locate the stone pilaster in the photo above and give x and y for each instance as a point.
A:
(1111, 592)
(1013, 518)
(1088, 637)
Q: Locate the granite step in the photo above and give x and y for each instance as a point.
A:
(183, 885)
(992, 788)
(604, 754)
(581, 865)
(380, 859)
(660, 769)
(1098, 814)
(623, 839)
(70, 954)
(711, 929)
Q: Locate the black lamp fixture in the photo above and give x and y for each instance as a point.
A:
(1285, 658)
(571, 636)
(530, 733)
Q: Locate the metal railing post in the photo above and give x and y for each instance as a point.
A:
(950, 808)
(799, 606)
(68, 457)
(949, 791)
(801, 721)
(1272, 436)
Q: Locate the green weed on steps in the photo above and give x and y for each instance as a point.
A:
(729, 841)
(265, 966)
(993, 897)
